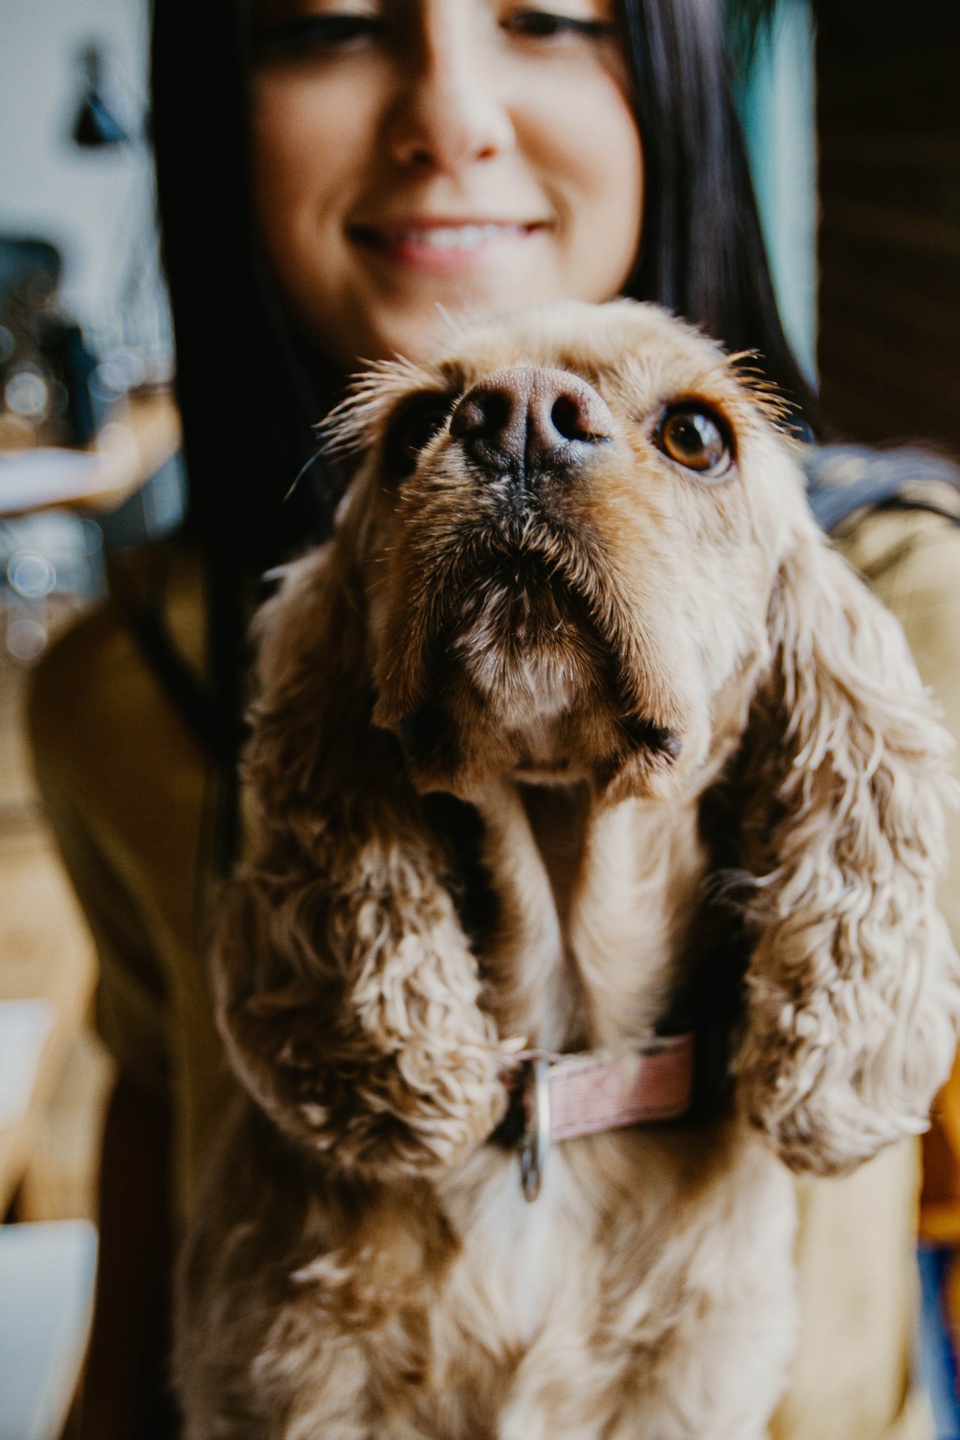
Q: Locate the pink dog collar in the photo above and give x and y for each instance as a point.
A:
(567, 1096)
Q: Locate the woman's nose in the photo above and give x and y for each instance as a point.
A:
(447, 113)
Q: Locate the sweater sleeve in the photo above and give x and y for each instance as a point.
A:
(911, 559)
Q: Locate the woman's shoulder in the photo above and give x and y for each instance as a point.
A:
(894, 514)
(95, 693)
(904, 553)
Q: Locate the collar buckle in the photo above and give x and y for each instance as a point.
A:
(535, 1142)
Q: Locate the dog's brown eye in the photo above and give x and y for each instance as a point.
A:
(412, 428)
(697, 439)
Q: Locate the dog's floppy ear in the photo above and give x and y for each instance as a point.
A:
(852, 998)
(346, 990)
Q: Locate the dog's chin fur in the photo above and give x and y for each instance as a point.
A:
(637, 690)
(523, 681)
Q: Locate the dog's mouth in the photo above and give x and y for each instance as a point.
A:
(514, 603)
(521, 660)
(520, 611)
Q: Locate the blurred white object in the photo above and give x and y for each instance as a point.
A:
(24, 1027)
(32, 478)
(46, 1299)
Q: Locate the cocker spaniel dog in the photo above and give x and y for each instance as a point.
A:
(590, 890)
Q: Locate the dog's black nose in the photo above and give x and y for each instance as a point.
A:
(526, 418)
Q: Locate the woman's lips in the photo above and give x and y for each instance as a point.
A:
(445, 246)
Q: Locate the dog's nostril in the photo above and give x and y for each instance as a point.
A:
(565, 418)
(481, 413)
(571, 417)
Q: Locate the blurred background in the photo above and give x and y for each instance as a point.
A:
(852, 117)
(89, 438)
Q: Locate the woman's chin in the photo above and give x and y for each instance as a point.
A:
(377, 298)
(411, 326)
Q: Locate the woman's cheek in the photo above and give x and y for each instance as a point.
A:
(589, 157)
(303, 155)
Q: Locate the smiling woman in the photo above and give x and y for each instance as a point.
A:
(332, 178)
(474, 155)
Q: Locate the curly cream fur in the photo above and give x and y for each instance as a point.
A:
(642, 690)
(850, 1028)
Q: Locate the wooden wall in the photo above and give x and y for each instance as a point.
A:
(889, 128)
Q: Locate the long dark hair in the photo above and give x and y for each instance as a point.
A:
(248, 405)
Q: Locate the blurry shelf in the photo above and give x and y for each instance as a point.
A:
(139, 438)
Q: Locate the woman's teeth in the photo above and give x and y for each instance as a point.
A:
(457, 237)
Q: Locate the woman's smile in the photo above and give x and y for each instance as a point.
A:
(475, 154)
(431, 245)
